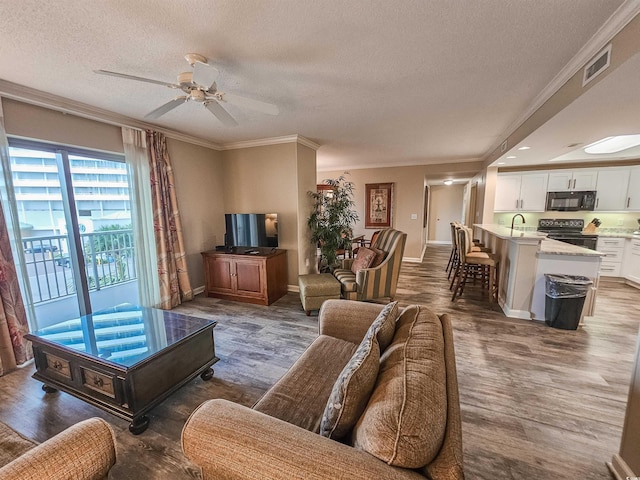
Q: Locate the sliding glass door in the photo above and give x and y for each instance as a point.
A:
(75, 228)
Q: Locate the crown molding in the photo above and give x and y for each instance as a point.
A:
(614, 24)
(261, 142)
(321, 168)
(61, 104)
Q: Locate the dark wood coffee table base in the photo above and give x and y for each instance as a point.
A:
(127, 392)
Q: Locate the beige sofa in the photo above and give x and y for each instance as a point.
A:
(279, 438)
(84, 451)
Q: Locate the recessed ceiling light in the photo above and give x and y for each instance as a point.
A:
(502, 163)
(613, 144)
(512, 156)
(524, 148)
(448, 182)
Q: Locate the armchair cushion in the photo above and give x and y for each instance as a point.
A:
(405, 420)
(364, 259)
(84, 451)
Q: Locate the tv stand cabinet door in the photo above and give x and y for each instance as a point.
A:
(250, 277)
(219, 270)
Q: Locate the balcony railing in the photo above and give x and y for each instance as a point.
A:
(109, 260)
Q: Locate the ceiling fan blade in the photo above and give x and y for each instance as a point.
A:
(256, 105)
(204, 74)
(138, 79)
(220, 113)
(158, 112)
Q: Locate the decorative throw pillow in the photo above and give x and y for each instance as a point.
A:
(384, 326)
(405, 420)
(363, 260)
(351, 391)
(380, 256)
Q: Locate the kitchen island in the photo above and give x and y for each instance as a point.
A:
(525, 257)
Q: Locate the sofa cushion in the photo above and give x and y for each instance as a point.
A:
(405, 419)
(363, 260)
(352, 389)
(12, 444)
(301, 395)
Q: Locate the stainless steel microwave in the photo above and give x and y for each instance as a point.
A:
(571, 201)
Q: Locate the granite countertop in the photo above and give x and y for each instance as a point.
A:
(555, 247)
(615, 235)
(506, 233)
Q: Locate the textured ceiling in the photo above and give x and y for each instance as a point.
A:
(372, 82)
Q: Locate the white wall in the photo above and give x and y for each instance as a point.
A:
(445, 207)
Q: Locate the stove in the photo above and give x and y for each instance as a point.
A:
(568, 231)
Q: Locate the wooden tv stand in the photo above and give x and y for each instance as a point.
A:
(252, 275)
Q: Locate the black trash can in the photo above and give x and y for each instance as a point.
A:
(565, 295)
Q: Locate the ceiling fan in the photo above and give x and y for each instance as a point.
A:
(200, 86)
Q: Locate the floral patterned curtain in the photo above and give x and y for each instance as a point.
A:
(172, 268)
(14, 349)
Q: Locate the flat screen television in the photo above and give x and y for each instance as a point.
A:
(251, 229)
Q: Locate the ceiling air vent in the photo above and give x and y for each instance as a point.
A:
(598, 65)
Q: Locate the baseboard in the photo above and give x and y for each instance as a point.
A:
(293, 288)
(412, 259)
(439, 242)
(198, 290)
(631, 283)
(620, 469)
(522, 314)
(416, 259)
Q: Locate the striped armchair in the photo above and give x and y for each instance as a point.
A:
(377, 282)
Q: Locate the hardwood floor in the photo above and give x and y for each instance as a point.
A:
(537, 403)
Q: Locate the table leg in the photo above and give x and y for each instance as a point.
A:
(48, 388)
(139, 425)
(207, 374)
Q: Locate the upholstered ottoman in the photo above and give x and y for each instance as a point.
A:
(315, 288)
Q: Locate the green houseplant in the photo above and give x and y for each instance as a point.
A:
(332, 218)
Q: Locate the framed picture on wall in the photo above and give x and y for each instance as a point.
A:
(378, 204)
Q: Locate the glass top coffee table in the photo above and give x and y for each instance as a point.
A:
(124, 360)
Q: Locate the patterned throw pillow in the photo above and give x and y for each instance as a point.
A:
(384, 326)
(351, 391)
(363, 260)
(355, 383)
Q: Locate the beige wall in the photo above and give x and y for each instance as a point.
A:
(408, 195)
(199, 186)
(266, 180)
(24, 120)
(445, 206)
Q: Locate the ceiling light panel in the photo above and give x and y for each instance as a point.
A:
(613, 144)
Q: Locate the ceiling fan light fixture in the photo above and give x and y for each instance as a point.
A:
(613, 144)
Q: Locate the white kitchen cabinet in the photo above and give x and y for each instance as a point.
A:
(612, 189)
(572, 180)
(614, 248)
(631, 268)
(525, 192)
(633, 193)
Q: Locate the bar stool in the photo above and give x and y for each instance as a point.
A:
(480, 265)
(454, 258)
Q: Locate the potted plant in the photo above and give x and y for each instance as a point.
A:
(332, 219)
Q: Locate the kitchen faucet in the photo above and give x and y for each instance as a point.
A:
(514, 219)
